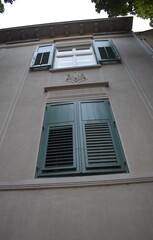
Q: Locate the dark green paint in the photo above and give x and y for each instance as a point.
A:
(80, 138)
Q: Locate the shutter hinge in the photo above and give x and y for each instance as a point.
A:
(43, 128)
(114, 123)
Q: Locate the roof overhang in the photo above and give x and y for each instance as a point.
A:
(67, 29)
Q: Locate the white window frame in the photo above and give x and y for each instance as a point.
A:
(73, 52)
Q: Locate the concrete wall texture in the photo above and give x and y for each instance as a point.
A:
(115, 206)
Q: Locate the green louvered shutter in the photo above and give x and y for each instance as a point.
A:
(105, 51)
(80, 138)
(102, 152)
(43, 57)
(58, 148)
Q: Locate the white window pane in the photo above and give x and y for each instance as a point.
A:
(83, 51)
(85, 60)
(64, 62)
(64, 52)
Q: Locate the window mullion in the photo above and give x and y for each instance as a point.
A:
(81, 142)
(107, 53)
(74, 57)
(41, 58)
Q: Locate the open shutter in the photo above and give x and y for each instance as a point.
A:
(43, 57)
(102, 149)
(105, 51)
(58, 149)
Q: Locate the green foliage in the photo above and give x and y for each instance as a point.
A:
(140, 8)
(1, 7)
(2, 4)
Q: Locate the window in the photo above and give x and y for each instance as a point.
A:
(55, 56)
(43, 57)
(79, 138)
(74, 56)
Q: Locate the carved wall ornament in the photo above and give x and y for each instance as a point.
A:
(76, 77)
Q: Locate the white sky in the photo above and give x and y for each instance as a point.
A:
(29, 12)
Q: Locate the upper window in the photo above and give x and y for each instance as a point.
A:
(52, 56)
(79, 138)
(74, 56)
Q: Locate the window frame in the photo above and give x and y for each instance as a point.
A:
(74, 54)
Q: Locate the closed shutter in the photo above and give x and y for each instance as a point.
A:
(43, 57)
(58, 149)
(80, 138)
(105, 51)
(102, 149)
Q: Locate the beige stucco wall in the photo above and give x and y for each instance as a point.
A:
(107, 211)
(130, 94)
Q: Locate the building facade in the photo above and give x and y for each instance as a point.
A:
(76, 123)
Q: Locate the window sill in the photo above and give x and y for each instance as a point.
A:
(74, 68)
(71, 182)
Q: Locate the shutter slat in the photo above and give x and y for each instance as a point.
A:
(104, 161)
(60, 163)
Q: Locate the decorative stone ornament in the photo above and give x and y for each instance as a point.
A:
(76, 77)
